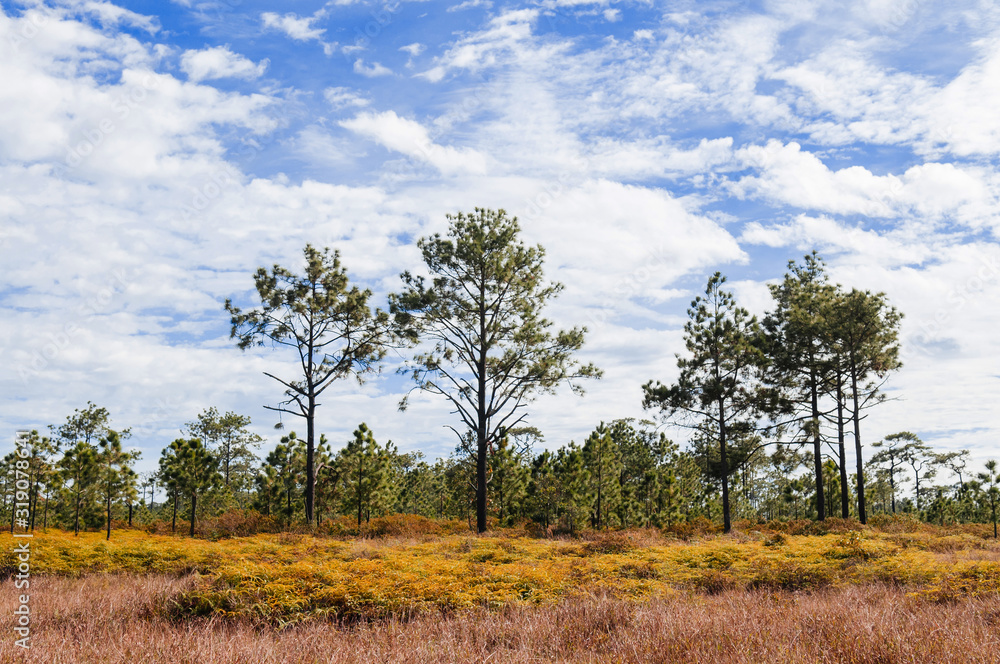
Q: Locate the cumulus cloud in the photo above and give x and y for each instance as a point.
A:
(372, 70)
(470, 4)
(413, 49)
(344, 98)
(799, 178)
(296, 27)
(482, 49)
(412, 139)
(219, 62)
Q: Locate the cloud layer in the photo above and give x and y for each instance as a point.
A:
(148, 164)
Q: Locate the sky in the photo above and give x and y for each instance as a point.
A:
(154, 154)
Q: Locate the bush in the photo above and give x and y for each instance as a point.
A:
(393, 525)
(790, 575)
(157, 527)
(400, 525)
(832, 525)
(895, 523)
(341, 526)
(697, 527)
(235, 523)
(613, 542)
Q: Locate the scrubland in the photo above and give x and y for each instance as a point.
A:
(775, 593)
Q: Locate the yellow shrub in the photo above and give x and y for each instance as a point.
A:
(286, 578)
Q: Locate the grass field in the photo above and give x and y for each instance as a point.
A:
(897, 594)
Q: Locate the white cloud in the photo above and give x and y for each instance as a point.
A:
(113, 15)
(649, 239)
(412, 139)
(296, 27)
(962, 116)
(660, 158)
(799, 178)
(413, 49)
(154, 125)
(372, 70)
(830, 236)
(220, 62)
(344, 98)
(482, 49)
(470, 4)
(875, 104)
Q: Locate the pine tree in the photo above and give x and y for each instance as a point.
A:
(801, 355)
(891, 458)
(364, 465)
(719, 391)
(921, 460)
(991, 481)
(864, 331)
(509, 481)
(79, 469)
(194, 470)
(116, 477)
(574, 481)
(228, 436)
(286, 460)
(167, 477)
(329, 324)
(489, 352)
(604, 468)
(543, 490)
(268, 489)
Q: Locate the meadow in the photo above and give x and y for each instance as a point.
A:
(421, 592)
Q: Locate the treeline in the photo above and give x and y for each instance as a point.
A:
(625, 474)
(771, 406)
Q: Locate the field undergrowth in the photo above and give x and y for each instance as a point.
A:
(284, 579)
(102, 619)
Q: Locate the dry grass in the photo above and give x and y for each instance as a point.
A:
(102, 619)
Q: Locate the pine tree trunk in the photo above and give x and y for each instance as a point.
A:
(817, 449)
(194, 506)
(310, 454)
(360, 475)
(482, 451)
(481, 442)
(892, 486)
(727, 524)
(862, 507)
(76, 518)
(34, 503)
(845, 505)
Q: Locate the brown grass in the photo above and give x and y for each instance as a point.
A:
(102, 619)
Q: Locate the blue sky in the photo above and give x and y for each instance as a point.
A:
(152, 155)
